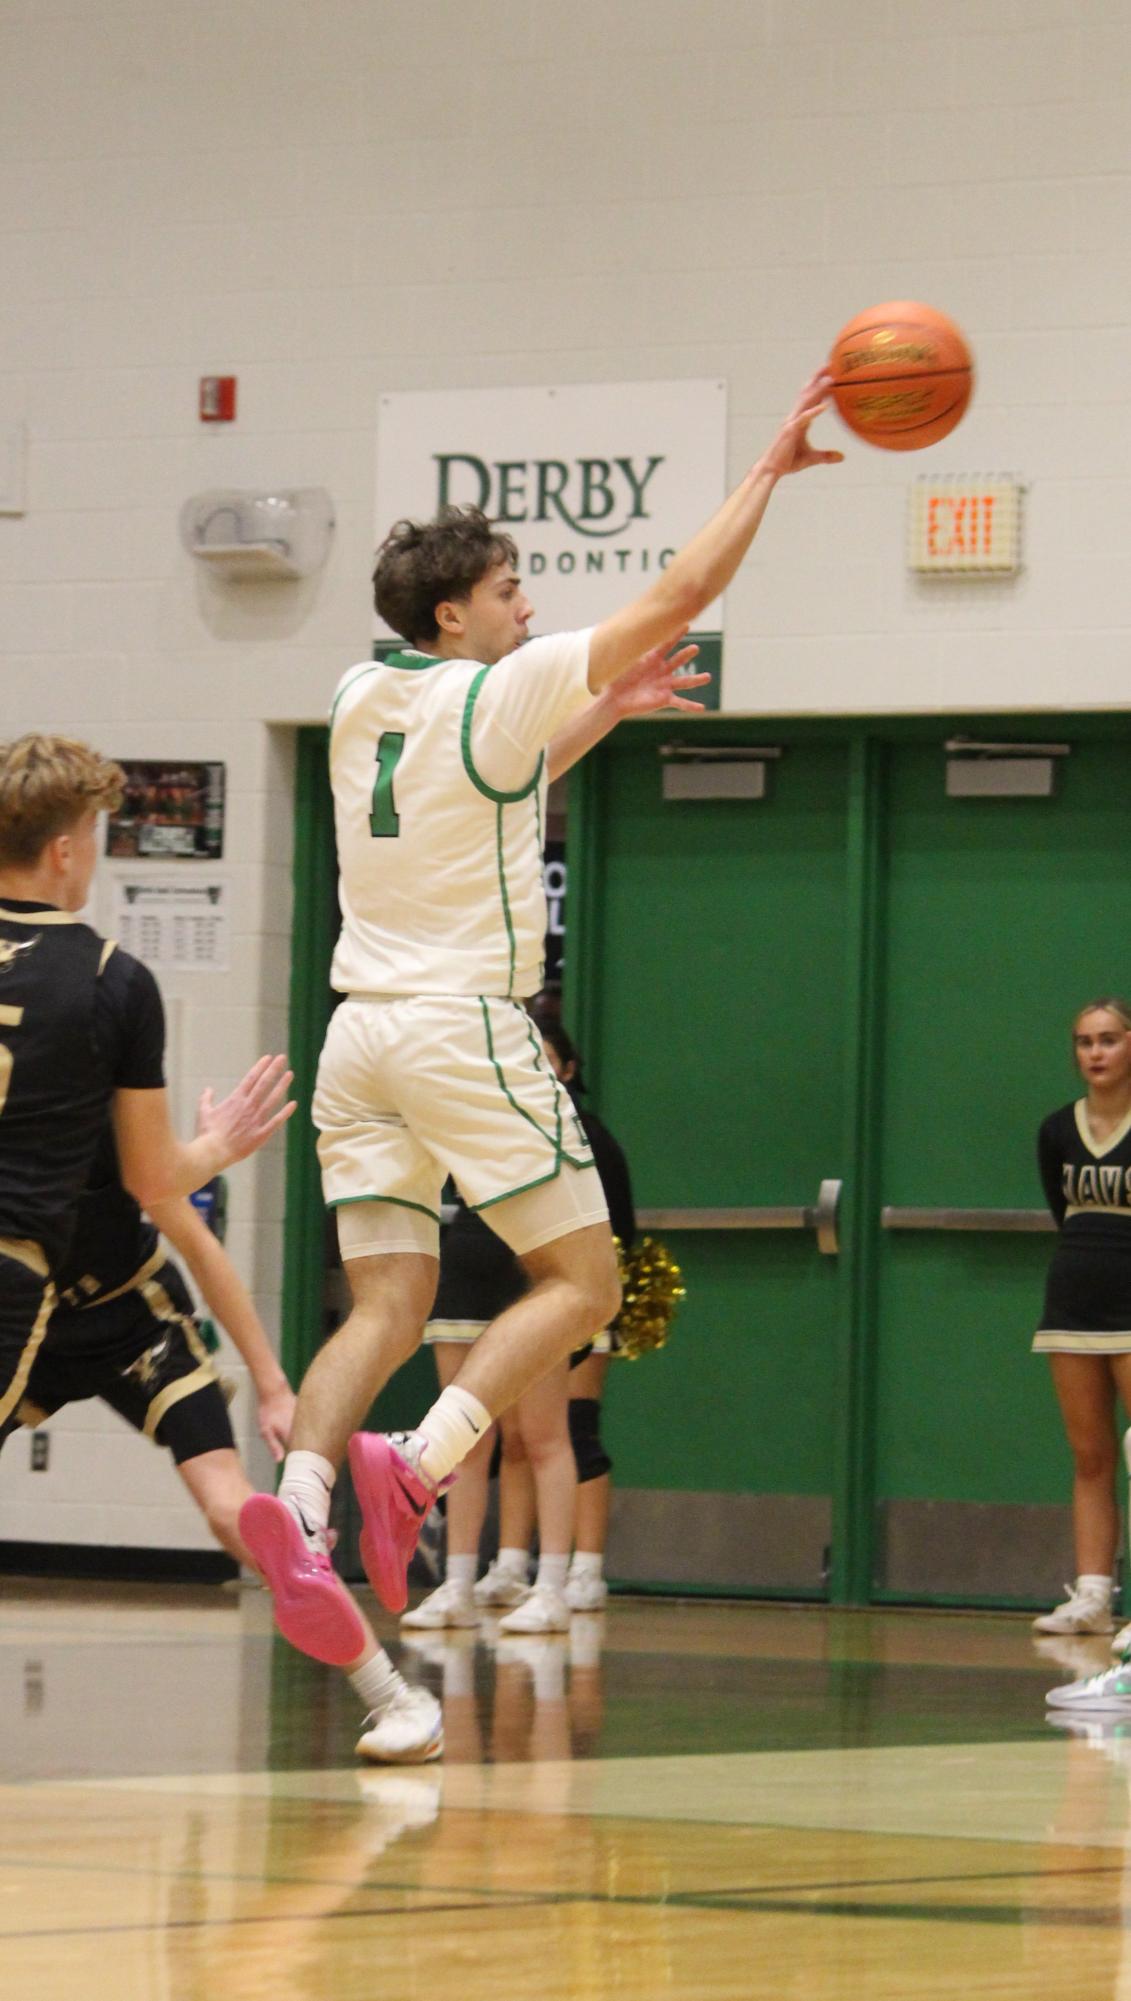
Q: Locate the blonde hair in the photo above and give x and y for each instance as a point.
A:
(1111, 1005)
(47, 783)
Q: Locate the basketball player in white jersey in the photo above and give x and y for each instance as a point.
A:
(439, 760)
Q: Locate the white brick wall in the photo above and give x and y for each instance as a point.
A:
(374, 197)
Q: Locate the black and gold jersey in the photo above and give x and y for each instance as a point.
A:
(113, 1241)
(1087, 1185)
(78, 1020)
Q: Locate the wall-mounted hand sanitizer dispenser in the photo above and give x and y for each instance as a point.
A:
(248, 537)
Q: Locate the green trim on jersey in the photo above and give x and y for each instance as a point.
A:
(554, 1139)
(500, 799)
(410, 660)
(500, 864)
(557, 1087)
(524, 1187)
(369, 667)
(346, 1202)
(480, 784)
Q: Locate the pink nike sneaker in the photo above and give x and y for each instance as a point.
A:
(313, 1609)
(394, 1498)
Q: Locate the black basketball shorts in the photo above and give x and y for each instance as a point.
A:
(142, 1354)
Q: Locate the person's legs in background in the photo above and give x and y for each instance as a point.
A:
(1121, 1371)
(452, 1602)
(586, 1588)
(1085, 1387)
(541, 1420)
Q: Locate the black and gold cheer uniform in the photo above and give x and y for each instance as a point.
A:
(480, 1275)
(1088, 1189)
(124, 1329)
(79, 1019)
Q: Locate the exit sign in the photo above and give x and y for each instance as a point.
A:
(968, 524)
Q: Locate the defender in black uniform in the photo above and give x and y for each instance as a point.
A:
(81, 1037)
(125, 1331)
(1084, 1155)
(81, 1030)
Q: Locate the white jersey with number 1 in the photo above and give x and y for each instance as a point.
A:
(439, 780)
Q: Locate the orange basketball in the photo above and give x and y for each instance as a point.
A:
(902, 375)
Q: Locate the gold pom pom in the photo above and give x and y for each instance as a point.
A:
(650, 1283)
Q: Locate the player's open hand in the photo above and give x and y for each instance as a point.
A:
(245, 1120)
(275, 1416)
(657, 681)
(791, 450)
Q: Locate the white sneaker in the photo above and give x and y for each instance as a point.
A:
(1109, 1690)
(542, 1611)
(1081, 1612)
(500, 1587)
(584, 1592)
(1121, 1641)
(451, 1604)
(409, 1732)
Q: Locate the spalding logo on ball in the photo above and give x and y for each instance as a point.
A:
(902, 375)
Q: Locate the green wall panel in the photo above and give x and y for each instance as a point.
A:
(739, 1400)
(717, 964)
(965, 1412)
(1003, 916)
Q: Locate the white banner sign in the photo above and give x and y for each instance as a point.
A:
(598, 483)
(175, 923)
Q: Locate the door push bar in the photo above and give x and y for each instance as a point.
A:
(820, 1216)
(1014, 1221)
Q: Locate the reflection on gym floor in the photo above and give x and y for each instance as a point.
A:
(677, 1800)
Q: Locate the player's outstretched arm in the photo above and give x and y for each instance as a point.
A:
(155, 1164)
(705, 565)
(228, 1300)
(657, 681)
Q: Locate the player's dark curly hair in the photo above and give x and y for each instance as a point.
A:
(420, 563)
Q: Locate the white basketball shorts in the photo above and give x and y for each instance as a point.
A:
(412, 1089)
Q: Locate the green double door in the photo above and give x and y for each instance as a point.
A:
(854, 979)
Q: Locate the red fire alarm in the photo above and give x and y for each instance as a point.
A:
(217, 399)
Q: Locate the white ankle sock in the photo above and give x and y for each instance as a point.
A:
(587, 1563)
(552, 1573)
(307, 1485)
(513, 1562)
(376, 1682)
(461, 1570)
(455, 1423)
(1095, 1586)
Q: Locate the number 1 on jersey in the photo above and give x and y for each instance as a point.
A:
(384, 820)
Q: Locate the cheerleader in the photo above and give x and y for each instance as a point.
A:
(1084, 1153)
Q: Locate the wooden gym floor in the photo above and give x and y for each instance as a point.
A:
(679, 1802)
